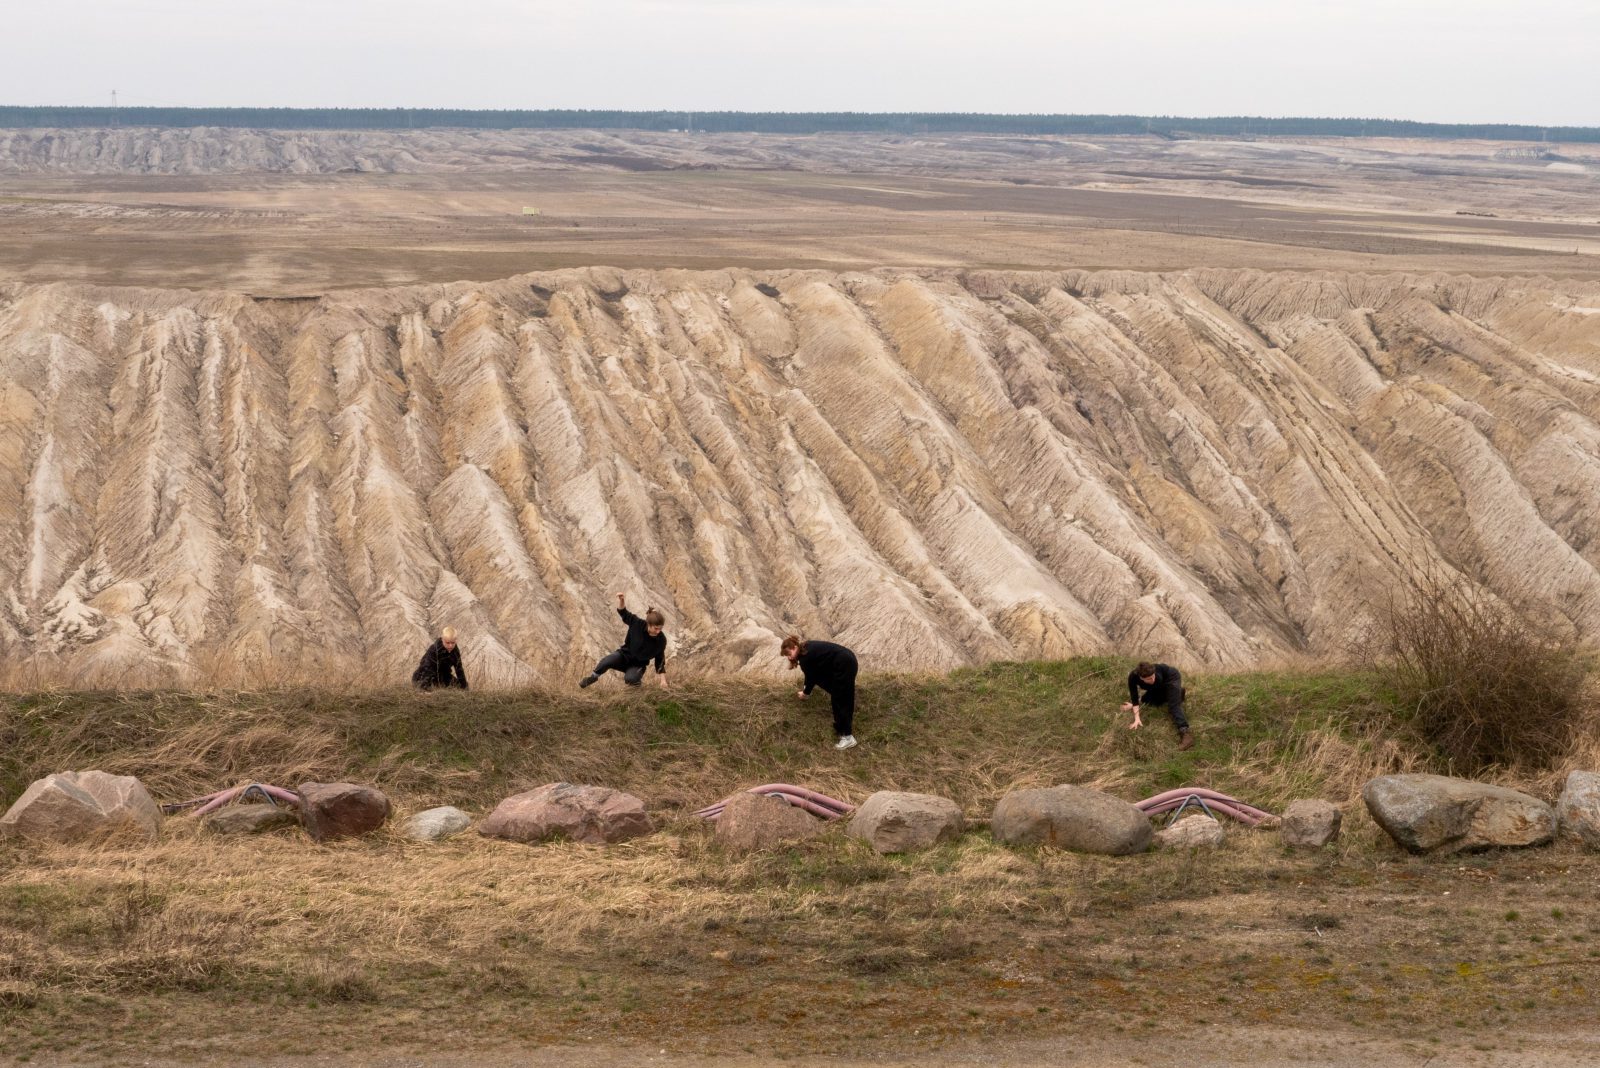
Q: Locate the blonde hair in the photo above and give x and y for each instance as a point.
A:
(448, 634)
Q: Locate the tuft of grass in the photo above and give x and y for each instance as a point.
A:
(1490, 685)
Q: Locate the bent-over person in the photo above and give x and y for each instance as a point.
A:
(832, 667)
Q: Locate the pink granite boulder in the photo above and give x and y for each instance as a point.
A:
(597, 815)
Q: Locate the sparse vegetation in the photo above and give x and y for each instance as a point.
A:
(1490, 685)
(297, 948)
(971, 735)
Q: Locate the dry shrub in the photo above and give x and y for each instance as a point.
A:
(1490, 685)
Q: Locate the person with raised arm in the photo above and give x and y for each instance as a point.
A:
(643, 643)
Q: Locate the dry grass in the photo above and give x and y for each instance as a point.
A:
(261, 943)
(1489, 684)
(274, 945)
(972, 736)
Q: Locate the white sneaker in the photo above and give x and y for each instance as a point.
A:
(846, 742)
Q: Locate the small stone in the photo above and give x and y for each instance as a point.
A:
(250, 819)
(1310, 824)
(435, 824)
(1198, 831)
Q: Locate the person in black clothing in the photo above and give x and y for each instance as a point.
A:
(833, 667)
(1161, 685)
(441, 664)
(644, 643)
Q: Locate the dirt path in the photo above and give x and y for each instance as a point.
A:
(1211, 1046)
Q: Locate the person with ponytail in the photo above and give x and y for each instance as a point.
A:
(644, 643)
(833, 667)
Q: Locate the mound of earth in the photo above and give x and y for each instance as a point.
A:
(1219, 467)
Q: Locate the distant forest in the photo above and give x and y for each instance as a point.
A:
(911, 123)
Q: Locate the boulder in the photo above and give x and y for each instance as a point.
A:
(1071, 817)
(435, 824)
(1310, 824)
(73, 805)
(1578, 810)
(751, 822)
(1438, 814)
(893, 822)
(250, 819)
(594, 814)
(1198, 831)
(330, 810)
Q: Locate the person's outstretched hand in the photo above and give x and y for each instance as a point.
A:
(800, 694)
(663, 679)
(622, 601)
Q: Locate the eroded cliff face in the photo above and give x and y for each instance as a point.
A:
(937, 469)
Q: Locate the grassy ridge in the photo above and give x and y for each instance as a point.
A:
(971, 735)
(260, 947)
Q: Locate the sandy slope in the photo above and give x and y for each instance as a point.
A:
(1217, 466)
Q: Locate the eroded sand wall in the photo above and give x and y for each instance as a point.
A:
(937, 469)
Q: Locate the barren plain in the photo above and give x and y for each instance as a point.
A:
(295, 214)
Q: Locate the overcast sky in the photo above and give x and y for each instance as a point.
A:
(1531, 61)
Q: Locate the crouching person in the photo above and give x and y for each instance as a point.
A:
(1158, 684)
(643, 643)
(441, 664)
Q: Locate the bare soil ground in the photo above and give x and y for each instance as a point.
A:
(674, 953)
(838, 203)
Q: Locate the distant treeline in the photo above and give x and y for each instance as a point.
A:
(785, 122)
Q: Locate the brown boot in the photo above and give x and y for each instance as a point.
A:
(1185, 740)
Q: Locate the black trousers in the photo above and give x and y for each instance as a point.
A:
(843, 695)
(422, 682)
(1173, 703)
(632, 674)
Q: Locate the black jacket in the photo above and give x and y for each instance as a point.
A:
(1167, 688)
(639, 648)
(437, 665)
(833, 667)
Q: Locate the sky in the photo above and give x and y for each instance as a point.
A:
(1522, 61)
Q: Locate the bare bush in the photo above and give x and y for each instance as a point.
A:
(1487, 683)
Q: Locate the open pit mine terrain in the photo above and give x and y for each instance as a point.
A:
(944, 403)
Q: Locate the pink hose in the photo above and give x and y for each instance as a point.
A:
(1218, 802)
(801, 791)
(818, 804)
(1202, 792)
(1212, 803)
(213, 801)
